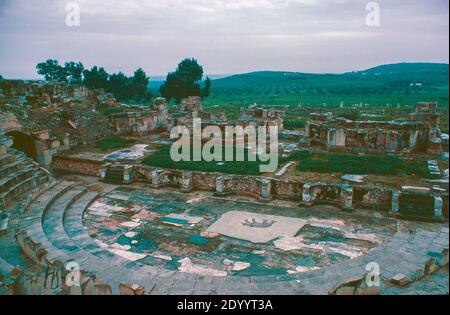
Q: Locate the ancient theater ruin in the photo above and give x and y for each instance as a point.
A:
(125, 219)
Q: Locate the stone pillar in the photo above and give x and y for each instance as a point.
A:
(43, 153)
(437, 207)
(306, 194)
(265, 190)
(187, 183)
(331, 137)
(156, 175)
(347, 196)
(66, 142)
(220, 184)
(413, 135)
(103, 170)
(395, 203)
(127, 174)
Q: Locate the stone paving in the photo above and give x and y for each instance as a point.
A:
(54, 223)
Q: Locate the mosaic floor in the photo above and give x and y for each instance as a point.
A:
(212, 236)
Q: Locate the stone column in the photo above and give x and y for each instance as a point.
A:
(66, 142)
(187, 182)
(395, 203)
(156, 182)
(220, 184)
(43, 152)
(331, 137)
(127, 174)
(265, 190)
(347, 196)
(103, 170)
(437, 207)
(413, 135)
(306, 194)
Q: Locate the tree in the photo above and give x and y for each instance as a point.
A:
(51, 70)
(74, 72)
(207, 88)
(1, 77)
(118, 85)
(96, 78)
(139, 83)
(123, 87)
(184, 82)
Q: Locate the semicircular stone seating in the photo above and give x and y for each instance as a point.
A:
(42, 226)
(21, 179)
(53, 223)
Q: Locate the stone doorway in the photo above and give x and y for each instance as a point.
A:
(24, 143)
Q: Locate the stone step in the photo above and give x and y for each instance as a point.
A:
(50, 195)
(52, 218)
(5, 268)
(17, 176)
(6, 159)
(9, 168)
(20, 188)
(55, 221)
(48, 231)
(73, 222)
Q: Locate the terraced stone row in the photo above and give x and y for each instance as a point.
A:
(43, 225)
(18, 175)
(54, 221)
(20, 178)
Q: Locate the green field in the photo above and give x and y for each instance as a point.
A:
(406, 84)
(355, 164)
(113, 142)
(161, 158)
(308, 162)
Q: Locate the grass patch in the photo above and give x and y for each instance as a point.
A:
(161, 158)
(113, 142)
(294, 124)
(110, 110)
(355, 164)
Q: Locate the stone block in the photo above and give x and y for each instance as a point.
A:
(400, 279)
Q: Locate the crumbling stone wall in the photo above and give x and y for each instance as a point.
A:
(64, 164)
(204, 181)
(418, 133)
(142, 122)
(372, 197)
(283, 189)
(67, 114)
(261, 117)
(242, 185)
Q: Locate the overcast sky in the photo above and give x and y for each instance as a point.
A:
(226, 36)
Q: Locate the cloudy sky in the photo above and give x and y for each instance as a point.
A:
(226, 36)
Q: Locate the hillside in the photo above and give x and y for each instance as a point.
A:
(405, 83)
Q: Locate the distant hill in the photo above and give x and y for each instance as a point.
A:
(405, 83)
(406, 67)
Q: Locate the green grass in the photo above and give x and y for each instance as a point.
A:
(309, 162)
(379, 86)
(113, 142)
(293, 124)
(161, 158)
(355, 164)
(110, 110)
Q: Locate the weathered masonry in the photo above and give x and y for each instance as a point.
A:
(346, 196)
(417, 134)
(142, 122)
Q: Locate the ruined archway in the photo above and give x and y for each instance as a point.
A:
(24, 143)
